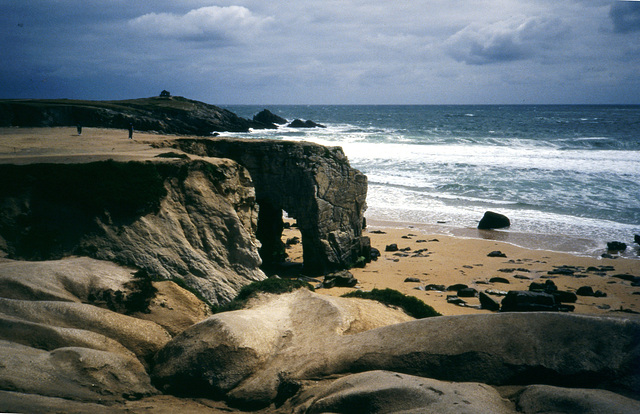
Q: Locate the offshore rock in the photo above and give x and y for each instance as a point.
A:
(267, 117)
(313, 184)
(298, 123)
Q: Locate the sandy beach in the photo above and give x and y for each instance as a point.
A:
(431, 258)
(436, 259)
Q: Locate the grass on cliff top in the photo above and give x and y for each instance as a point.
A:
(271, 285)
(411, 305)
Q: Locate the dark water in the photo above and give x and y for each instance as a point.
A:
(554, 170)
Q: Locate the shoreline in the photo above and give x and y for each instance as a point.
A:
(557, 243)
(434, 258)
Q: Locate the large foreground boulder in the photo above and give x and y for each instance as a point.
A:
(247, 356)
(65, 350)
(255, 356)
(79, 374)
(143, 338)
(549, 399)
(387, 392)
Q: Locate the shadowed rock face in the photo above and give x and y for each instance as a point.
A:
(189, 220)
(313, 184)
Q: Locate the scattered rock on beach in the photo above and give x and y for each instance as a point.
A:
(391, 248)
(457, 287)
(488, 303)
(496, 253)
(499, 279)
(412, 280)
(455, 300)
(528, 301)
(467, 293)
(439, 288)
(492, 220)
(343, 278)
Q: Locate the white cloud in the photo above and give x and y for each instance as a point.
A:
(507, 40)
(211, 23)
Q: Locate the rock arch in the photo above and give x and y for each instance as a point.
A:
(314, 184)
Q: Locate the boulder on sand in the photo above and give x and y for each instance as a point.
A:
(492, 220)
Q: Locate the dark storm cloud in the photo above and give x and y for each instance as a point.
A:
(361, 51)
(625, 16)
(504, 41)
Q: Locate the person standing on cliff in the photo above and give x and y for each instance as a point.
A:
(79, 129)
(130, 130)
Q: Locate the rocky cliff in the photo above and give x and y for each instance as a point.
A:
(168, 115)
(314, 184)
(177, 219)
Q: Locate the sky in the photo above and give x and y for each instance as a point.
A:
(323, 52)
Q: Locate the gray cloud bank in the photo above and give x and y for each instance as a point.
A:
(361, 51)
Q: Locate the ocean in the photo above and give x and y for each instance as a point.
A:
(567, 176)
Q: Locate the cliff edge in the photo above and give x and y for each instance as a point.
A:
(165, 114)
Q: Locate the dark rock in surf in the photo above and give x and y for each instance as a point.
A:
(492, 220)
(297, 123)
(267, 117)
(616, 246)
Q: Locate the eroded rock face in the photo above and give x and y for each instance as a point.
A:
(249, 357)
(61, 347)
(198, 224)
(312, 183)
